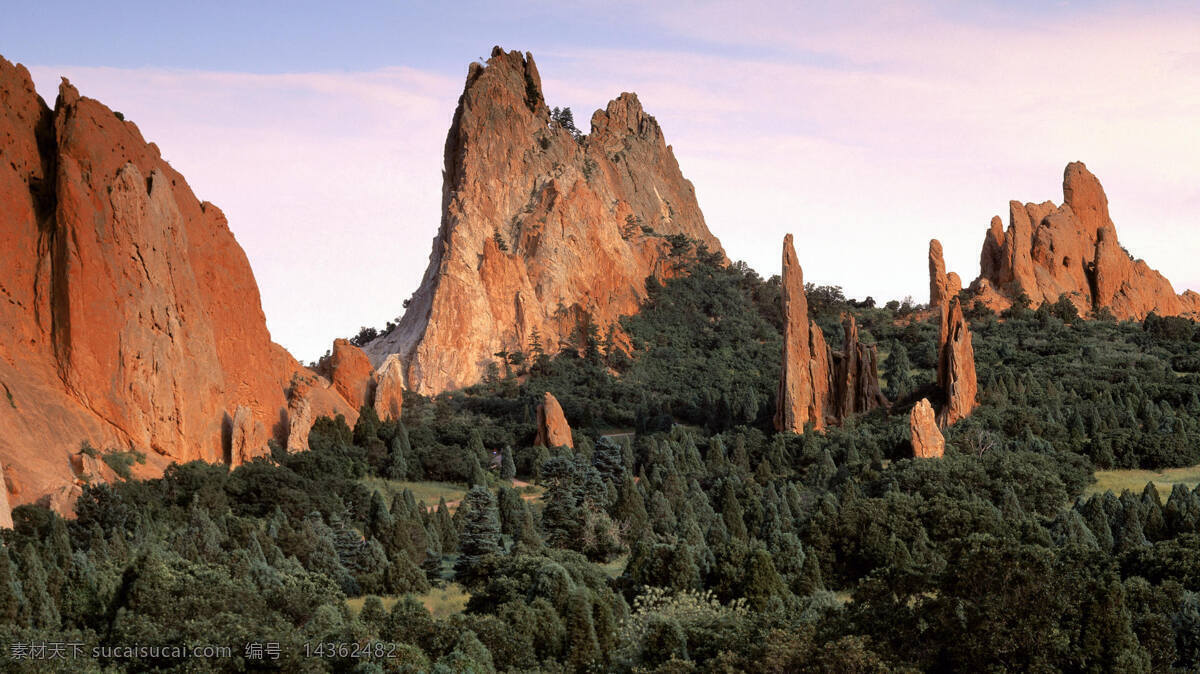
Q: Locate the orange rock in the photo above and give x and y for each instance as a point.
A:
(299, 416)
(6, 520)
(389, 388)
(798, 401)
(1072, 250)
(821, 369)
(129, 316)
(856, 375)
(927, 440)
(942, 286)
(351, 373)
(539, 231)
(552, 427)
(956, 365)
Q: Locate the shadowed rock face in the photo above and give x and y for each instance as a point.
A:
(538, 231)
(389, 389)
(1050, 251)
(942, 285)
(927, 440)
(956, 365)
(552, 427)
(129, 316)
(856, 375)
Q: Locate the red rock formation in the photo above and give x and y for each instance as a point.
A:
(942, 286)
(552, 427)
(6, 520)
(351, 373)
(539, 230)
(389, 389)
(129, 316)
(927, 440)
(804, 380)
(300, 415)
(956, 365)
(856, 375)
(1071, 250)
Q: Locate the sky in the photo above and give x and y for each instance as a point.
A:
(865, 129)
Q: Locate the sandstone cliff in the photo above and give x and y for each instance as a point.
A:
(1070, 250)
(129, 316)
(539, 230)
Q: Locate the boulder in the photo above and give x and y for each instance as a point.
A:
(552, 427)
(927, 440)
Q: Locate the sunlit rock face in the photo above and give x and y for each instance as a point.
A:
(540, 231)
(129, 316)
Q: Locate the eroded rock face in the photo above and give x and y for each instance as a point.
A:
(552, 427)
(1071, 250)
(244, 432)
(6, 520)
(129, 316)
(803, 384)
(942, 285)
(539, 231)
(351, 373)
(956, 365)
(856, 375)
(389, 389)
(300, 416)
(927, 440)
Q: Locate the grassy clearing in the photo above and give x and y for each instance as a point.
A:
(614, 568)
(441, 602)
(429, 492)
(1135, 480)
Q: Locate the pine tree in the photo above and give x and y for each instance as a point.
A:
(480, 535)
(399, 452)
(42, 613)
(508, 468)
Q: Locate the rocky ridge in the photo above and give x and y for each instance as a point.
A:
(541, 229)
(1070, 250)
(129, 316)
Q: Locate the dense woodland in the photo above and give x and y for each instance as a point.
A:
(682, 534)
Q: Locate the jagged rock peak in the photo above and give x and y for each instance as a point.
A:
(542, 227)
(956, 365)
(1071, 251)
(799, 402)
(856, 371)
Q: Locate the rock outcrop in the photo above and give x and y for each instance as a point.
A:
(927, 440)
(541, 230)
(351, 373)
(1070, 250)
(389, 388)
(300, 416)
(803, 395)
(942, 285)
(856, 375)
(129, 316)
(956, 365)
(6, 520)
(552, 427)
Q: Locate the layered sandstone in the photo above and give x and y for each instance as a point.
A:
(129, 316)
(389, 389)
(855, 383)
(1071, 250)
(552, 427)
(540, 231)
(927, 440)
(956, 365)
(803, 395)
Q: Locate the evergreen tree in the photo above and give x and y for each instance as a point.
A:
(480, 534)
(508, 468)
(400, 450)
